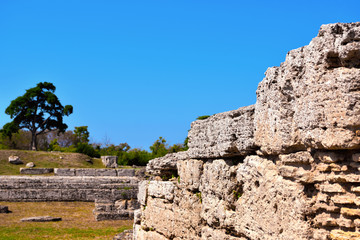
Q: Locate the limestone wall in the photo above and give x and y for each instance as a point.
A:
(115, 197)
(53, 188)
(286, 168)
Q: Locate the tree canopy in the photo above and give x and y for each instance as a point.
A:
(38, 110)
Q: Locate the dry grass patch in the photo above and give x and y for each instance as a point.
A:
(45, 160)
(77, 222)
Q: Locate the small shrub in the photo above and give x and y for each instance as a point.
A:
(198, 195)
(203, 117)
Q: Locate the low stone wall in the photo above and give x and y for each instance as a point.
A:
(36, 171)
(66, 188)
(121, 172)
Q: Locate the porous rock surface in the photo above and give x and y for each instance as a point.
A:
(223, 134)
(286, 168)
(109, 161)
(312, 99)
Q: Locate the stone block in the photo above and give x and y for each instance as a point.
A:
(329, 157)
(41, 219)
(342, 235)
(109, 161)
(142, 193)
(36, 171)
(30, 165)
(189, 173)
(350, 212)
(302, 157)
(123, 172)
(223, 135)
(137, 216)
(85, 171)
(310, 100)
(160, 189)
(165, 165)
(159, 215)
(325, 220)
(64, 171)
(355, 189)
(15, 160)
(344, 199)
(332, 188)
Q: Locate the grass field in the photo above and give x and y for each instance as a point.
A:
(45, 160)
(77, 222)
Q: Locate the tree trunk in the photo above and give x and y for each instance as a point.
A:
(33, 141)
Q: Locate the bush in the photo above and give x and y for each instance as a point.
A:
(87, 149)
(203, 117)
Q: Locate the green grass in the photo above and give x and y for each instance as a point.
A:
(36, 233)
(77, 222)
(45, 160)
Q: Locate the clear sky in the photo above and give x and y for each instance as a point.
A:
(136, 70)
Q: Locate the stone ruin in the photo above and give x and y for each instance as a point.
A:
(287, 167)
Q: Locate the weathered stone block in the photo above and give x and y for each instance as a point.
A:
(15, 160)
(159, 215)
(64, 171)
(85, 171)
(109, 161)
(41, 219)
(160, 189)
(332, 188)
(30, 165)
(142, 193)
(329, 157)
(189, 173)
(311, 100)
(342, 235)
(350, 212)
(165, 165)
(344, 199)
(325, 220)
(36, 171)
(223, 134)
(122, 172)
(302, 157)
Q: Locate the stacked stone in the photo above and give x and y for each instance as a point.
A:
(55, 188)
(286, 168)
(117, 205)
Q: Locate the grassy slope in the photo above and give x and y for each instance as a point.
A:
(45, 160)
(77, 222)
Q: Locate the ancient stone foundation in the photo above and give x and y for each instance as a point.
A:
(286, 168)
(114, 191)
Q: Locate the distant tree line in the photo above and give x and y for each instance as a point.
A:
(37, 124)
(77, 141)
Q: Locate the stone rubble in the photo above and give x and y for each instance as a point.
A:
(15, 160)
(4, 209)
(286, 168)
(41, 219)
(109, 161)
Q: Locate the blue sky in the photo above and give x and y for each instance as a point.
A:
(137, 70)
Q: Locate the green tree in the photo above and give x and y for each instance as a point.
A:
(38, 110)
(159, 148)
(82, 134)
